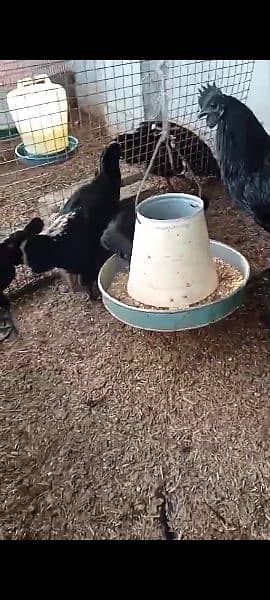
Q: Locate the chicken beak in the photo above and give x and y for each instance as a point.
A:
(202, 114)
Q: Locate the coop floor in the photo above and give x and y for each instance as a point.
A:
(96, 416)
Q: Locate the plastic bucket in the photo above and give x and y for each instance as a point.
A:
(171, 263)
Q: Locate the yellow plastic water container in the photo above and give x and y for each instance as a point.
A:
(40, 111)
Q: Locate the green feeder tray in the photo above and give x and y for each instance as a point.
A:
(175, 320)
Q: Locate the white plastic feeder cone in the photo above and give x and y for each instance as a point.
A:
(171, 265)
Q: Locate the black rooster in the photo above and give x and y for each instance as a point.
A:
(243, 152)
(243, 155)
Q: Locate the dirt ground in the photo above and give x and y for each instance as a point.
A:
(97, 419)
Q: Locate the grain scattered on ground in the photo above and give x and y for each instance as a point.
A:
(95, 417)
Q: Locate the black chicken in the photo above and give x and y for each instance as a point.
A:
(93, 205)
(10, 257)
(118, 237)
(243, 152)
(243, 155)
(103, 192)
(137, 147)
(72, 242)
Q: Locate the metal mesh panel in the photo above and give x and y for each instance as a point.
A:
(184, 78)
(105, 99)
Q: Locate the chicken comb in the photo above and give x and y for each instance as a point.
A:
(207, 91)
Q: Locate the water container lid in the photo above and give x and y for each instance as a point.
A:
(22, 83)
(25, 86)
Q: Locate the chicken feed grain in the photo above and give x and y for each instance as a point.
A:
(230, 279)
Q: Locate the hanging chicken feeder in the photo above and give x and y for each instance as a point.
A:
(170, 253)
(172, 265)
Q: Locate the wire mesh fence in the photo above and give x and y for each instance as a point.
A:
(104, 99)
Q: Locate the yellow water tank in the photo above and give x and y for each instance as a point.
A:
(40, 111)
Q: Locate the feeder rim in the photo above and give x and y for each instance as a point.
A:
(190, 308)
(191, 197)
(190, 327)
